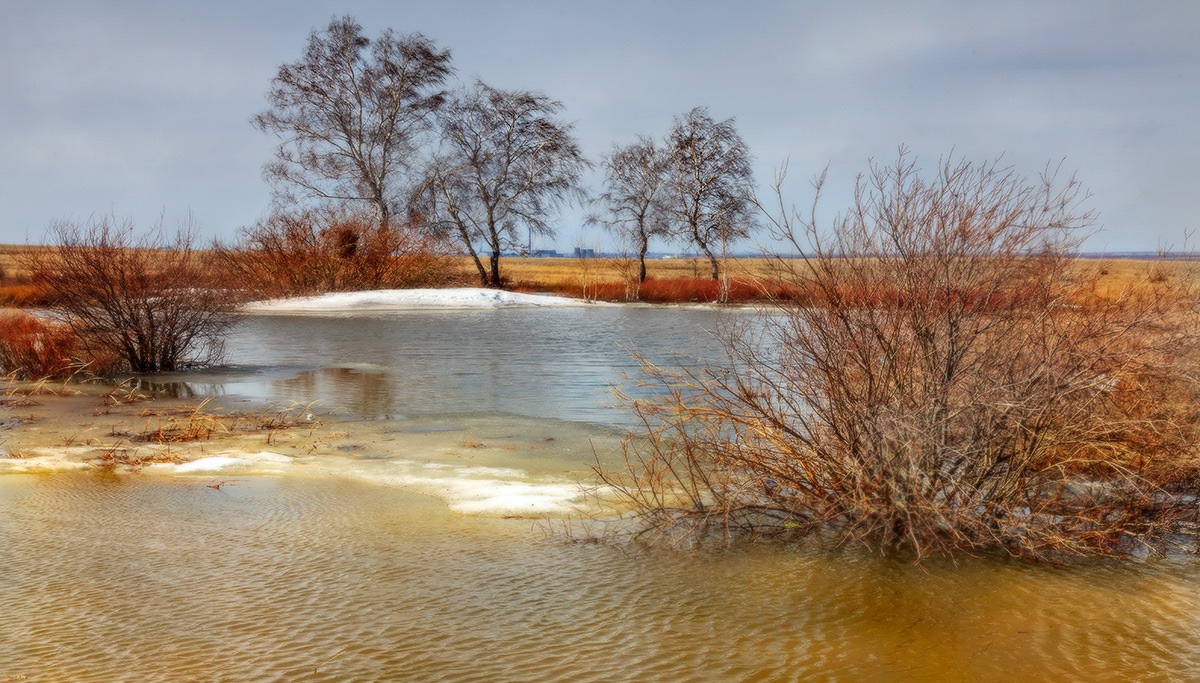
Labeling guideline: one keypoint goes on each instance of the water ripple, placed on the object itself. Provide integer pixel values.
(111, 579)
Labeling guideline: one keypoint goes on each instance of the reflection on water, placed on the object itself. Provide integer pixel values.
(384, 551)
(545, 363)
(363, 393)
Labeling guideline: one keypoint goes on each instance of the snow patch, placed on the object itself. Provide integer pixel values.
(51, 463)
(485, 491)
(263, 462)
(407, 299)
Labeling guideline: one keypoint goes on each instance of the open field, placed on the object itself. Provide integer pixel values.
(563, 274)
(606, 278)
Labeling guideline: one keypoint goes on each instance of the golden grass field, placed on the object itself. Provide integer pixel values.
(570, 276)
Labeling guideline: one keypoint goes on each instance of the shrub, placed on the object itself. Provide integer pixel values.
(33, 348)
(314, 251)
(145, 299)
(687, 290)
(952, 382)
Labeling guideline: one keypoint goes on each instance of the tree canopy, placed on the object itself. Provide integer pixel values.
(635, 198)
(507, 162)
(712, 182)
(350, 114)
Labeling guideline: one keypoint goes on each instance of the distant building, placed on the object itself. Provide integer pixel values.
(584, 253)
(545, 253)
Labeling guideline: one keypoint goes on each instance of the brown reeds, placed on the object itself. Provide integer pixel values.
(198, 423)
(958, 384)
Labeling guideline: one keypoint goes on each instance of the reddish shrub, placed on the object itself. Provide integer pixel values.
(315, 251)
(677, 290)
(672, 290)
(31, 348)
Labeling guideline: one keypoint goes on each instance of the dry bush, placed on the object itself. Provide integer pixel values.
(952, 381)
(33, 348)
(146, 299)
(314, 251)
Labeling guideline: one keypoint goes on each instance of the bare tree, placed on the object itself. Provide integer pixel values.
(351, 113)
(148, 299)
(712, 182)
(635, 196)
(945, 376)
(507, 164)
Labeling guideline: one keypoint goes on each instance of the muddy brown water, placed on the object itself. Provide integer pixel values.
(408, 540)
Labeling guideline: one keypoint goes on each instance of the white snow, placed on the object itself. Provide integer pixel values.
(45, 460)
(265, 462)
(405, 299)
(481, 490)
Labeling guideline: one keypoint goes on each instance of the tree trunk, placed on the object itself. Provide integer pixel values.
(495, 268)
(483, 275)
(494, 243)
(645, 246)
(700, 242)
(384, 215)
(716, 273)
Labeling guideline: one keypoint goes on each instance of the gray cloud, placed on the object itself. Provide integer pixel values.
(143, 107)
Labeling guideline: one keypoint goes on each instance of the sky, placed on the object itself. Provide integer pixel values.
(142, 109)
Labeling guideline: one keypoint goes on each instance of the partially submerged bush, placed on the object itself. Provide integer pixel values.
(315, 251)
(146, 299)
(951, 381)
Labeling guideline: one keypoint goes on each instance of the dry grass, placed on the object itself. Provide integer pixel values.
(195, 423)
(125, 429)
(684, 280)
(166, 430)
(607, 279)
(943, 393)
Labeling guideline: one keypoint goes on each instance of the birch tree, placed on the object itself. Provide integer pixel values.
(507, 164)
(635, 198)
(711, 181)
(351, 114)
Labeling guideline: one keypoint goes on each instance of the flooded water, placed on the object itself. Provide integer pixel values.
(541, 363)
(404, 537)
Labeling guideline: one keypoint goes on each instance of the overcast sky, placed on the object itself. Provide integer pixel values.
(142, 108)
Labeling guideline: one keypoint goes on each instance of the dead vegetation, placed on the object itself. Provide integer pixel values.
(962, 385)
(323, 250)
(127, 428)
(143, 301)
(164, 430)
(668, 281)
(33, 348)
(196, 423)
